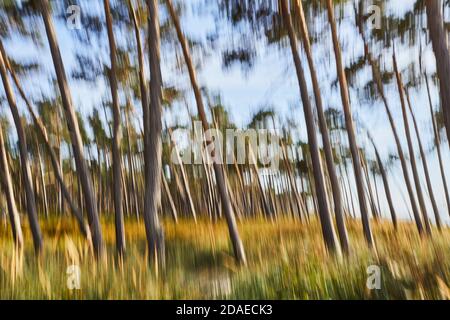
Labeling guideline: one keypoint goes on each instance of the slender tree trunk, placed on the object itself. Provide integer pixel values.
(350, 126)
(117, 136)
(412, 155)
(337, 194)
(60, 163)
(170, 199)
(100, 177)
(438, 146)
(265, 202)
(74, 131)
(142, 81)
(324, 213)
(229, 214)
(387, 189)
(209, 181)
(441, 51)
(377, 79)
(377, 195)
(293, 186)
(369, 186)
(153, 143)
(54, 159)
(184, 177)
(7, 185)
(350, 190)
(425, 165)
(24, 161)
(131, 168)
(42, 178)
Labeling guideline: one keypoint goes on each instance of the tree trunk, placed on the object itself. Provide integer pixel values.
(441, 51)
(387, 189)
(337, 194)
(301, 208)
(54, 159)
(350, 126)
(24, 161)
(412, 155)
(7, 185)
(377, 79)
(370, 196)
(170, 199)
(142, 82)
(324, 213)
(153, 143)
(425, 165)
(131, 168)
(185, 179)
(74, 131)
(117, 136)
(229, 214)
(42, 178)
(438, 146)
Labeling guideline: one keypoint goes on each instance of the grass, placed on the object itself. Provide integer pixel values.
(287, 260)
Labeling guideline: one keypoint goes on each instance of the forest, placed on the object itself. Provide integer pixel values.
(228, 149)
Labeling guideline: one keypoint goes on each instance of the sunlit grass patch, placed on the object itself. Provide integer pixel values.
(286, 260)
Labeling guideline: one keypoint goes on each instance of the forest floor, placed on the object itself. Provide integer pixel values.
(286, 260)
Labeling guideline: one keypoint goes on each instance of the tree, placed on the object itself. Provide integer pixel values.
(412, 156)
(337, 195)
(424, 164)
(117, 136)
(387, 188)
(438, 38)
(24, 161)
(74, 130)
(437, 141)
(153, 144)
(350, 126)
(53, 158)
(324, 213)
(8, 189)
(219, 174)
(377, 78)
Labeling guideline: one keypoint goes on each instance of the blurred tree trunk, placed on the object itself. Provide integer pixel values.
(42, 178)
(24, 161)
(370, 196)
(74, 131)
(142, 82)
(117, 135)
(387, 189)
(229, 214)
(350, 126)
(324, 212)
(379, 84)
(336, 190)
(437, 141)
(424, 165)
(412, 156)
(265, 202)
(184, 178)
(441, 51)
(173, 208)
(8, 189)
(153, 143)
(131, 166)
(301, 208)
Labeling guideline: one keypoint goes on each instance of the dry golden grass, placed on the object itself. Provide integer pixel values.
(287, 260)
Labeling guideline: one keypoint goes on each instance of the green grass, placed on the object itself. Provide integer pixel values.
(286, 260)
